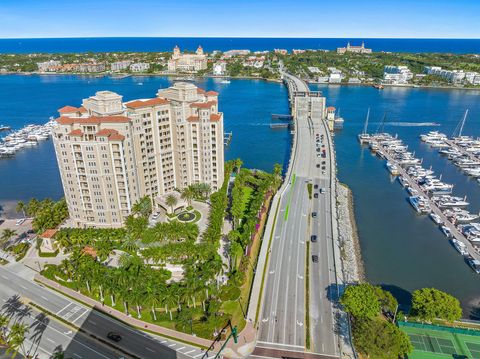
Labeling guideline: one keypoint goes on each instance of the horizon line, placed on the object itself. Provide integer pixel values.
(241, 37)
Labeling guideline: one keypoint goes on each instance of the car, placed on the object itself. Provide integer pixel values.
(315, 186)
(155, 215)
(323, 172)
(313, 238)
(323, 168)
(20, 221)
(318, 149)
(314, 214)
(318, 154)
(322, 190)
(314, 258)
(114, 336)
(318, 165)
(315, 195)
(323, 162)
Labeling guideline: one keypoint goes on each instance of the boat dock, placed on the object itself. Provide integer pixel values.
(402, 163)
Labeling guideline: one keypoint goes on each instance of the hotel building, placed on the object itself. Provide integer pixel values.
(112, 153)
(187, 62)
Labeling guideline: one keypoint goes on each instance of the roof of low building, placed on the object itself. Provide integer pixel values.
(147, 103)
(62, 120)
(211, 93)
(203, 104)
(76, 132)
(330, 108)
(215, 117)
(68, 109)
(90, 251)
(49, 233)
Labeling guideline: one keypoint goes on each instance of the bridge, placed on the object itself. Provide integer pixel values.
(297, 315)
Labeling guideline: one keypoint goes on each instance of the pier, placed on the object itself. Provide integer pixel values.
(455, 233)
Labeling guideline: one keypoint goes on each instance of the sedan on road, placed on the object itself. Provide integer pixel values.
(314, 258)
(315, 195)
(114, 336)
(313, 238)
(314, 214)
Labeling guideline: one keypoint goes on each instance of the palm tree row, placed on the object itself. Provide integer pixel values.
(46, 214)
(13, 337)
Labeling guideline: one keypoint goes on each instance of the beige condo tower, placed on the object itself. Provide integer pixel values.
(112, 153)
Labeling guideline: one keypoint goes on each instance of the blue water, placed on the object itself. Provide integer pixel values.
(402, 250)
(109, 44)
(247, 107)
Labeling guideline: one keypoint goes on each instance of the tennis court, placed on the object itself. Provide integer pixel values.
(432, 341)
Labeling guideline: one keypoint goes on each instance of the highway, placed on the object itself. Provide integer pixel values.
(282, 318)
(80, 343)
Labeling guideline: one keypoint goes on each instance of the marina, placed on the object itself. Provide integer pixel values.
(29, 136)
(429, 195)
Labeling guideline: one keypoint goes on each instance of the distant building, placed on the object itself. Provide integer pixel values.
(253, 61)
(397, 75)
(298, 51)
(336, 76)
(220, 68)
(140, 67)
(120, 65)
(313, 69)
(48, 66)
(454, 76)
(187, 62)
(231, 53)
(280, 51)
(355, 49)
(354, 80)
(90, 67)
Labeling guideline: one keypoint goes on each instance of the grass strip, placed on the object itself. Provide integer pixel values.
(307, 296)
(113, 317)
(310, 190)
(290, 197)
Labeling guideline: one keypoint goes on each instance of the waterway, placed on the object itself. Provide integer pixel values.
(401, 250)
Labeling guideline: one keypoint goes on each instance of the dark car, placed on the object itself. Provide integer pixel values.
(315, 186)
(318, 165)
(323, 162)
(323, 167)
(313, 238)
(314, 214)
(315, 195)
(314, 258)
(318, 149)
(114, 336)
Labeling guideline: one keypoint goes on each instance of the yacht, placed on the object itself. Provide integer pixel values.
(420, 204)
(450, 201)
(459, 246)
(225, 81)
(433, 135)
(436, 218)
(474, 264)
(392, 168)
(403, 181)
(446, 231)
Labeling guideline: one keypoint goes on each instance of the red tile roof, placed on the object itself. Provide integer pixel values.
(208, 104)
(199, 90)
(49, 233)
(192, 118)
(76, 132)
(82, 109)
(90, 251)
(91, 120)
(215, 117)
(330, 108)
(111, 134)
(68, 109)
(148, 103)
(212, 93)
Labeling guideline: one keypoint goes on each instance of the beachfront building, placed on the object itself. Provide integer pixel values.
(48, 66)
(397, 75)
(355, 49)
(187, 62)
(454, 76)
(112, 153)
(140, 67)
(90, 67)
(120, 65)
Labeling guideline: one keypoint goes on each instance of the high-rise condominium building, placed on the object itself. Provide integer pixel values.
(187, 62)
(112, 153)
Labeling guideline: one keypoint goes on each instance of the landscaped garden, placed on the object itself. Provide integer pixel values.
(208, 293)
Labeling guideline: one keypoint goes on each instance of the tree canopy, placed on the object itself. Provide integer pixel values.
(431, 303)
(361, 301)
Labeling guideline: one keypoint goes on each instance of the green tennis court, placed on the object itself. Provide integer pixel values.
(432, 341)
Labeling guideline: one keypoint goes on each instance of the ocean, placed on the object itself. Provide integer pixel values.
(149, 44)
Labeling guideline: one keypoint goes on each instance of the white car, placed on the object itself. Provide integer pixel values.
(20, 221)
(156, 215)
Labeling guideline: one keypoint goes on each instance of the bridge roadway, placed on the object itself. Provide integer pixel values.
(282, 318)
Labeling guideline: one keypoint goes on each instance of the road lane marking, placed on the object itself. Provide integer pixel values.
(163, 341)
(172, 345)
(92, 322)
(191, 351)
(50, 340)
(180, 349)
(65, 307)
(199, 355)
(76, 355)
(43, 298)
(4, 277)
(150, 350)
(81, 315)
(23, 287)
(281, 344)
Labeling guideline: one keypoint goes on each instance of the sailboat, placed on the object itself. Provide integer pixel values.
(364, 137)
(457, 133)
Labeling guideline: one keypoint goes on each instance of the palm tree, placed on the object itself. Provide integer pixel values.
(205, 189)
(21, 207)
(4, 320)
(171, 201)
(16, 338)
(188, 194)
(7, 234)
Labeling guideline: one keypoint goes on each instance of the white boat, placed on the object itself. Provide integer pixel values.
(474, 264)
(436, 218)
(403, 181)
(446, 231)
(420, 204)
(459, 246)
(392, 168)
(225, 81)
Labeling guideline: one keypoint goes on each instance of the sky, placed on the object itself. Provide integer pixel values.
(240, 18)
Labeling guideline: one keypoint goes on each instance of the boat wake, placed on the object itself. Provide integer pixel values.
(410, 124)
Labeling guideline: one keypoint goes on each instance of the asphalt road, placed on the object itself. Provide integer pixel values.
(137, 343)
(283, 313)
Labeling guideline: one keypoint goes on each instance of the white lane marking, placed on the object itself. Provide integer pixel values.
(150, 350)
(172, 345)
(50, 340)
(191, 351)
(76, 355)
(92, 322)
(280, 344)
(65, 307)
(68, 333)
(321, 319)
(4, 277)
(163, 341)
(299, 323)
(271, 272)
(323, 348)
(23, 287)
(179, 349)
(199, 355)
(300, 276)
(81, 315)
(43, 297)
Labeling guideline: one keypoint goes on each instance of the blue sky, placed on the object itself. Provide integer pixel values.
(241, 18)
